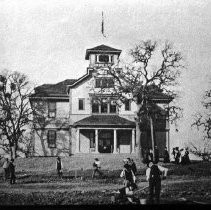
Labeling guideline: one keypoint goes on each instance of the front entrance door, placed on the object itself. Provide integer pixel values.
(105, 141)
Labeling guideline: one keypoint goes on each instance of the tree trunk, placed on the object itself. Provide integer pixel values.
(138, 140)
(11, 152)
(152, 137)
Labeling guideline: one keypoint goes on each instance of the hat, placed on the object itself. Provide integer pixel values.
(125, 160)
(96, 159)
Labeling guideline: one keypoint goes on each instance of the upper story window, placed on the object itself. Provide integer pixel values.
(104, 106)
(113, 108)
(52, 109)
(106, 59)
(81, 104)
(128, 105)
(104, 82)
(103, 58)
(51, 138)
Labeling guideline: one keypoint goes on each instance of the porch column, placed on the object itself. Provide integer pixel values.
(96, 141)
(115, 142)
(167, 141)
(77, 148)
(133, 140)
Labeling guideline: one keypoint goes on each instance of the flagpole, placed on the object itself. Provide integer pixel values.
(102, 29)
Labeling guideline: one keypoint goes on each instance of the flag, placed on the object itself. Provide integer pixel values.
(102, 29)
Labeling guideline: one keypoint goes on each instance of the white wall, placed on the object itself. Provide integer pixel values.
(62, 109)
(81, 91)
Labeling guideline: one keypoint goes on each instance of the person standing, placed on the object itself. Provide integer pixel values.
(166, 158)
(154, 173)
(150, 155)
(6, 169)
(59, 166)
(147, 156)
(97, 167)
(177, 155)
(12, 171)
(133, 166)
(128, 175)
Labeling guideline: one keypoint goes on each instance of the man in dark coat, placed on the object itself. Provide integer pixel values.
(133, 166)
(154, 174)
(166, 158)
(59, 166)
(12, 171)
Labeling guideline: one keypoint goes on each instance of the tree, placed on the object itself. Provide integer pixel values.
(154, 69)
(203, 121)
(15, 110)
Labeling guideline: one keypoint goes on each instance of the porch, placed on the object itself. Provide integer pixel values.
(105, 134)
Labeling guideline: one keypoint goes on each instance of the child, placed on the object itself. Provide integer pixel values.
(128, 175)
(96, 166)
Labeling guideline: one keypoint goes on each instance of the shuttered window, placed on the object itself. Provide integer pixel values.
(51, 138)
(52, 109)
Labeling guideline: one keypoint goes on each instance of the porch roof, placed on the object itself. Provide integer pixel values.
(104, 121)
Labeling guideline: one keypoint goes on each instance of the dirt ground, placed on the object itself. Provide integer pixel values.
(184, 185)
(99, 191)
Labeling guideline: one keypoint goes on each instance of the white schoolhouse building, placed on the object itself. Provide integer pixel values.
(76, 122)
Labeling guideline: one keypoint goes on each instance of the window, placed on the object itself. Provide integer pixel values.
(112, 106)
(104, 58)
(128, 105)
(95, 106)
(81, 104)
(104, 106)
(52, 109)
(51, 138)
(104, 82)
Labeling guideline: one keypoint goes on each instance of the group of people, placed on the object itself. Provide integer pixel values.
(149, 157)
(154, 174)
(9, 170)
(181, 156)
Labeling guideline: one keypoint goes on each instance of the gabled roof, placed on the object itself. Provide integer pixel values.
(102, 49)
(53, 90)
(104, 120)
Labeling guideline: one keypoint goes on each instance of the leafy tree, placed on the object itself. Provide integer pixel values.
(154, 69)
(15, 110)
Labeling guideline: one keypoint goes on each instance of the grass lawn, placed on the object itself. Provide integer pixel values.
(183, 185)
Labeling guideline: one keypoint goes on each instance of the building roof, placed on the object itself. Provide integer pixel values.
(102, 49)
(53, 90)
(104, 120)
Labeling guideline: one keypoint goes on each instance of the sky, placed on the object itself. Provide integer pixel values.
(47, 40)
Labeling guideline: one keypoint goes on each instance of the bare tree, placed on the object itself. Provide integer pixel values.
(154, 69)
(15, 110)
(203, 121)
